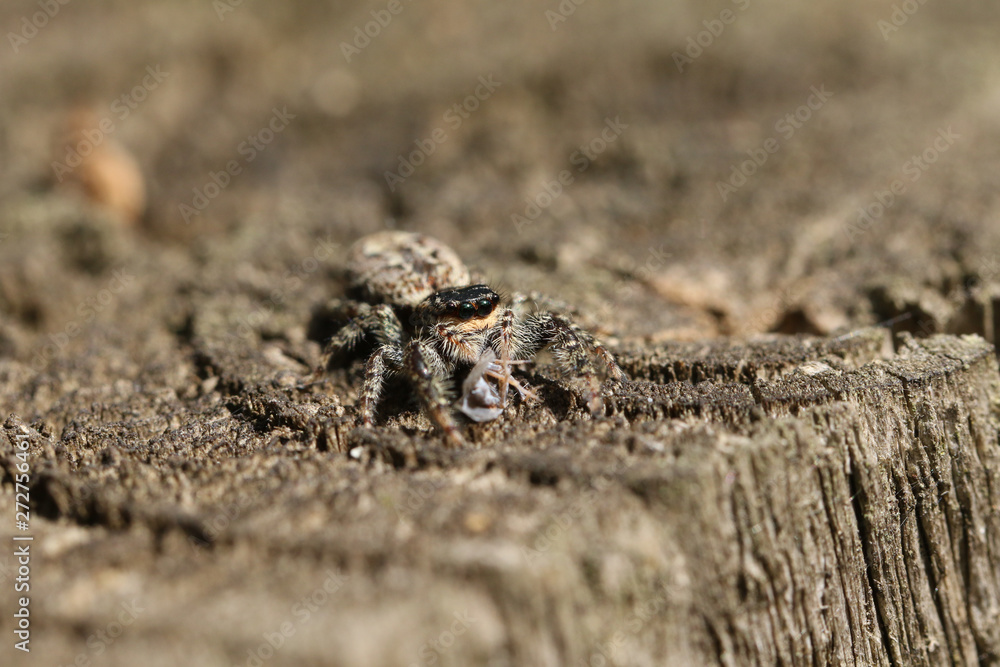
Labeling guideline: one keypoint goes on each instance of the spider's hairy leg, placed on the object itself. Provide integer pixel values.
(385, 362)
(426, 372)
(572, 348)
(615, 371)
(562, 320)
(377, 322)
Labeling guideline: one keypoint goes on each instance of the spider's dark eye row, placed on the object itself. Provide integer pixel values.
(470, 309)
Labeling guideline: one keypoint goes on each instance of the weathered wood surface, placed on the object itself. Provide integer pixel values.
(818, 499)
(805, 502)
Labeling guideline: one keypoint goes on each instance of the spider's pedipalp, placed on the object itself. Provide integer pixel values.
(508, 348)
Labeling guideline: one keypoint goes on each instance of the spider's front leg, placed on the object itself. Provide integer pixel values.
(427, 372)
(572, 348)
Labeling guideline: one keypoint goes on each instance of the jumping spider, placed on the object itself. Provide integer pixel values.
(428, 320)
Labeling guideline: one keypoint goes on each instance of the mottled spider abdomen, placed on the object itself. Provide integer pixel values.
(403, 268)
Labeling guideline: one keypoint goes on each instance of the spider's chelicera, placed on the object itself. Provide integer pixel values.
(427, 323)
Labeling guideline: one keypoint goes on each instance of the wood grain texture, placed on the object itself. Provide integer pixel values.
(775, 512)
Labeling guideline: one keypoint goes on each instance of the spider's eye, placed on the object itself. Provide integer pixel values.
(485, 307)
(466, 310)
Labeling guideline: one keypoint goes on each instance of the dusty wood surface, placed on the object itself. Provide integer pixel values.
(841, 512)
(804, 469)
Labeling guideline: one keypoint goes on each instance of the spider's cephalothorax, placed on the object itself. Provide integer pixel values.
(427, 329)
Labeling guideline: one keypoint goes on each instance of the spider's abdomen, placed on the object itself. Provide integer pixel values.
(403, 268)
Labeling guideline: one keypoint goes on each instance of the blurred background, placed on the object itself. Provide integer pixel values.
(226, 139)
(178, 177)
